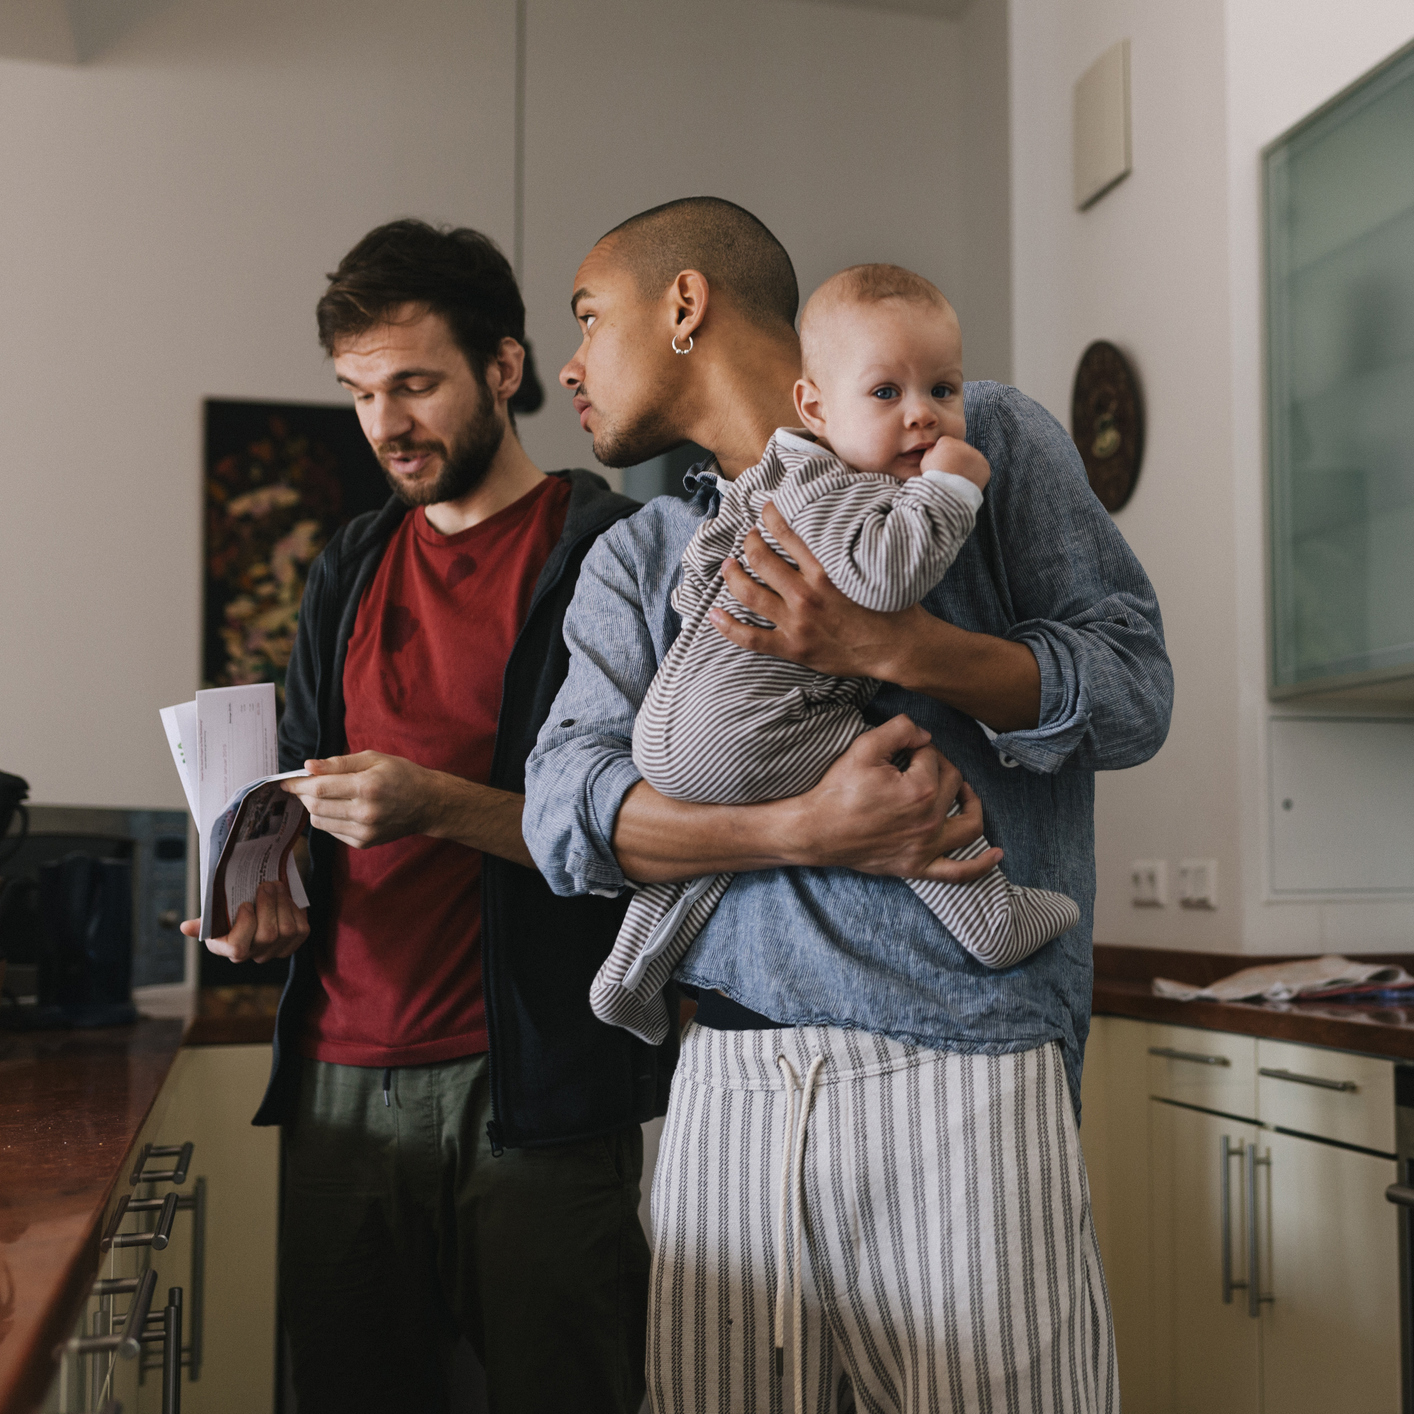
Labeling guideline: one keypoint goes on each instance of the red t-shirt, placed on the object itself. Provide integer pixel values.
(401, 975)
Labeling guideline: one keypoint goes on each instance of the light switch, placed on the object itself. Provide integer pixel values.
(1101, 133)
(1198, 883)
(1149, 883)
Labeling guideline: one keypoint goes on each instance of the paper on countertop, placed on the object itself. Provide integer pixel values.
(1307, 978)
(224, 745)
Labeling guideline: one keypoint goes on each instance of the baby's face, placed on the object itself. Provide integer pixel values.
(884, 382)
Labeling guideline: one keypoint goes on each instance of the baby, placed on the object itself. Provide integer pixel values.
(883, 489)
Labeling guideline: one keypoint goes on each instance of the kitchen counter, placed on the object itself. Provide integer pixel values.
(72, 1104)
(1123, 987)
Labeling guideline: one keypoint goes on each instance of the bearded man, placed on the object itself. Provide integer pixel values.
(463, 1142)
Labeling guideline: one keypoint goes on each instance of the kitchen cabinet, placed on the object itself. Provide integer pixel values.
(219, 1248)
(1206, 1351)
(1114, 1125)
(1340, 275)
(214, 1090)
(1330, 1337)
(1243, 1147)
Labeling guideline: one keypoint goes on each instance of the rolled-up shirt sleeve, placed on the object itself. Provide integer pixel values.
(582, 764)
(1081, 603)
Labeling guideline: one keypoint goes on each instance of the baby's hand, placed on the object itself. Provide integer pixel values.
(958, 458)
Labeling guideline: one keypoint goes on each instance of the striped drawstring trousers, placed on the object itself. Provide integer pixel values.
(940, 1210)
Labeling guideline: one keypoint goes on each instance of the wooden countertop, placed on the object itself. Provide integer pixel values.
(72, 1104)
(1123, 987)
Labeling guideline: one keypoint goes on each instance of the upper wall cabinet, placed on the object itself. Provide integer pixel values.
(1340, 308)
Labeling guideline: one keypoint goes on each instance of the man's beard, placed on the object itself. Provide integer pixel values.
(464, 465)
(648, 435)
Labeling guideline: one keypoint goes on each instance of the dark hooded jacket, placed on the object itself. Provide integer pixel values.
(557, 1073)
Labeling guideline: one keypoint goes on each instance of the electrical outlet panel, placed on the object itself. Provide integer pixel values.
(1148, 883)
(1198, 883)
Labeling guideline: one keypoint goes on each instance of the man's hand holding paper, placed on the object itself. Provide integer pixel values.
(369, 798)
(252, 898)
(270, 927)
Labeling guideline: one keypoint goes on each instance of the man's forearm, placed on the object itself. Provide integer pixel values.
(658, 840)
(479, 817)
(992, 679)
(865, 813)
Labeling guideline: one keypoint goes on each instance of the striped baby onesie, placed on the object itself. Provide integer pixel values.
(720, 725)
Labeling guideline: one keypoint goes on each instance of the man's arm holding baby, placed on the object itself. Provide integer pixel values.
(1082, 678)
(992, 679)
(865, 814)
(592, 823)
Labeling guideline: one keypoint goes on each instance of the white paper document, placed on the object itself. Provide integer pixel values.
(224, 747)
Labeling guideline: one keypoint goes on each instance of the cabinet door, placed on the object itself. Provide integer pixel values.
(1206, 1351)
(1330, 1336)
(212, 1093)
(1114, 1129)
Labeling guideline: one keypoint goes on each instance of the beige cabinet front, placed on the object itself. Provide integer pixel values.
(213, 1092)
(1206, 1349)
(1187, 1134)
(1330, 1337)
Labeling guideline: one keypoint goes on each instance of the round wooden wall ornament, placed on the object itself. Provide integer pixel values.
(1107, 422)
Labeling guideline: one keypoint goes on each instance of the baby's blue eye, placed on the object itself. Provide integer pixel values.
(943, 390)
(885, 394)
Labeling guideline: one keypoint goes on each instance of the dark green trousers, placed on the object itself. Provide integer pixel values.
(401, 1231)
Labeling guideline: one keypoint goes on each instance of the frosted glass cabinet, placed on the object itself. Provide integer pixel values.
(1340, 308)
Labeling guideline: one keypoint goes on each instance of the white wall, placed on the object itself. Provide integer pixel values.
(1167, 266)
(840, 128)
(169, 212)
(170, 209)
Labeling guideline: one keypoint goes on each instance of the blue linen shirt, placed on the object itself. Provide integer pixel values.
(1046, 567)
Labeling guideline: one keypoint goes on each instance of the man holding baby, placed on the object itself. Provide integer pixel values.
(870, 1179)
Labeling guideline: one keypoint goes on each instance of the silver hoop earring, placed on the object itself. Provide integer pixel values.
(687, 350)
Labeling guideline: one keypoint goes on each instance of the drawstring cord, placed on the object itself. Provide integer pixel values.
(387, 1084)
(793, 1183)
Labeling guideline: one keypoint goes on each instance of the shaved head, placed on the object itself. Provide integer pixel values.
(861, 285)
(740, 258)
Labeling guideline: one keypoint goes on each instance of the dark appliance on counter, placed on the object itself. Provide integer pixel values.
(90, 903)
(14, 790)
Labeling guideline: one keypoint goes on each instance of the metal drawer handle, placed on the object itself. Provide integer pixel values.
(176, 1174)
(166, 1332)
(194, 1203)
(1197, 1057)
(1400, 1193)
(128, 1341)
(1227, 1154)
(1254, 1271)
(1346, 1085)
(161, 1235)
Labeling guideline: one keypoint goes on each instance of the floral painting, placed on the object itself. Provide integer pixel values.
(280, 479)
